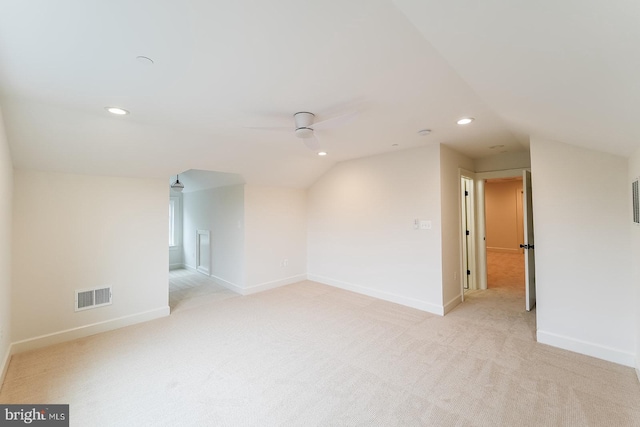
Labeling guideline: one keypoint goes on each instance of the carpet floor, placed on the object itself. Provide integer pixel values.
(309, 354)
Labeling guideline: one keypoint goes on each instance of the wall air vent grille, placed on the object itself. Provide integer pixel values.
(92, 298)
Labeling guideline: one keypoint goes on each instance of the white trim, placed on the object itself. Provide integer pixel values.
(177, 266)
(231, 286)
(452, 304)
(386, 296)
(5, 364)
(587, 348)
(86, 330)
(273, 284)
(199, 267)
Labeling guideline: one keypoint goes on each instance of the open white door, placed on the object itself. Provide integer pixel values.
(528, 246)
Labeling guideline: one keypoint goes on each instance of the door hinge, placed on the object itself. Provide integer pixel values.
(467, 232)
(468, 272)
(466, 193)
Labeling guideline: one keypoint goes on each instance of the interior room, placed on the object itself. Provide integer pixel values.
(252, 212)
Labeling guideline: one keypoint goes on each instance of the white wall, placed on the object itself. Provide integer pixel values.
(585, 298)
(450, 164)
(6, 195)
(634, 173)
(73, 232)
(275, 231)
(221, 211)
(503, 161)
(361, 232)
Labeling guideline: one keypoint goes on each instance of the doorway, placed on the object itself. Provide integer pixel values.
(522, 214)
(504, 233)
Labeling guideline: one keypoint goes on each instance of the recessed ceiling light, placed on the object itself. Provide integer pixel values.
(465, 120)
(424, 132)
(322, 153)
(117, 111)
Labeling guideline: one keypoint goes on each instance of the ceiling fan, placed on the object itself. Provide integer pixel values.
(305, 128)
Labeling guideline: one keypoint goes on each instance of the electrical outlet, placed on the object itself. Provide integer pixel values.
(455, 275)
(285, 262)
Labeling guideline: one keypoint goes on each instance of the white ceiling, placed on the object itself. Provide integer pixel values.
(563, 70)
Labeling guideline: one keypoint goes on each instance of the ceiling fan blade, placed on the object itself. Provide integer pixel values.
(312, 143)
(337, 121)
(270, 128)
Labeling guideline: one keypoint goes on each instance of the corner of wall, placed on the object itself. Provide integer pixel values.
(4, 365)
(6, 239)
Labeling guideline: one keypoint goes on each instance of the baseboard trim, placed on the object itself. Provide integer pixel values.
(87, 330)
(452, 304)
(386, 296)
(175, 266)
(231, 286)
(274, 284)
(587, 348)
(5, 364)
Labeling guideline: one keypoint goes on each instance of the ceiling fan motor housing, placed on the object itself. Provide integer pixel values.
(304, 120)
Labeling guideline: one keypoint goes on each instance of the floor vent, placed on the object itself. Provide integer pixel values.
(92, 298)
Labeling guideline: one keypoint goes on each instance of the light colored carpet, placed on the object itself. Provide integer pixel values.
(188, 289)
(308, 354)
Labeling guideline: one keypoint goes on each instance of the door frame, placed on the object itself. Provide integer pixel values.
(481, 218)
(467, 216)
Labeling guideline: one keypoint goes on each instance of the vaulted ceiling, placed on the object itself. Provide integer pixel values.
(561, 70)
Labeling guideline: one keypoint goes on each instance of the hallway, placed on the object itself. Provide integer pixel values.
(505, 270)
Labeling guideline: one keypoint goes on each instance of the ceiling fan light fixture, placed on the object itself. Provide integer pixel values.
(177, 186)
(117, 111)
(304, 132)
(465, 120)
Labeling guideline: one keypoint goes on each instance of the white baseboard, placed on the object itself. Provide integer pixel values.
(386, 296)
(452, 304)
(5, 364)
(86, 330)
(231, 286)
(176, 266)
(587, 348)
(274, 284)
